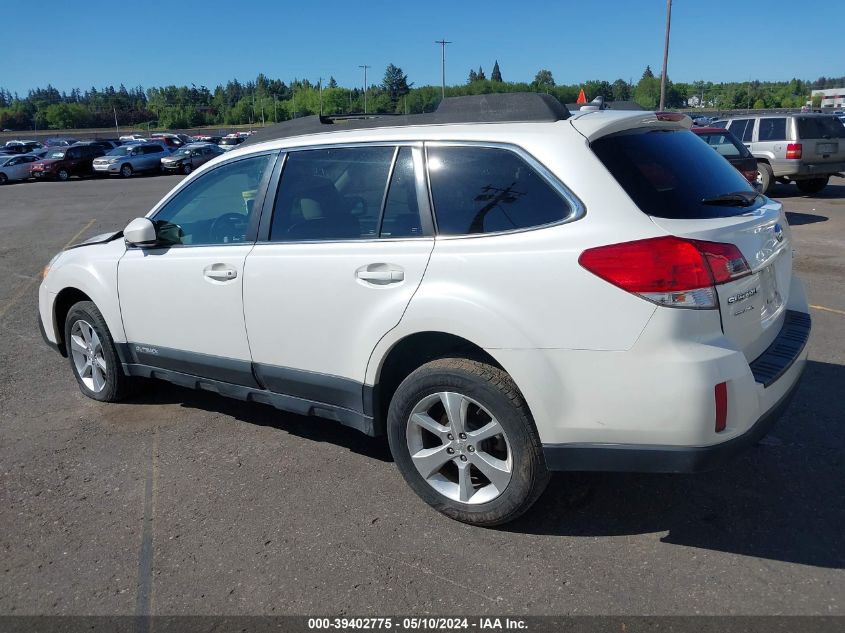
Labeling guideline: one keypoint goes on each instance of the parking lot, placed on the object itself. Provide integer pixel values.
(182, 502)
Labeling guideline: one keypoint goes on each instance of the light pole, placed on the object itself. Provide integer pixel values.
(320, 86)
(442, 43)
(364, 66)
(665, 55)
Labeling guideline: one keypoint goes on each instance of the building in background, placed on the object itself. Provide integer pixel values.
(832, 98)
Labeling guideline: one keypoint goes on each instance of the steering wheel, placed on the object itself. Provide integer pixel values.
(227, 226)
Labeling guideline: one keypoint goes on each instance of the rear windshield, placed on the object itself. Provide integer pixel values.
(725, 144)
(820, 127)
(668, 173)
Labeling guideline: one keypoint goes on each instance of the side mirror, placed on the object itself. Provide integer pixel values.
(140, 232)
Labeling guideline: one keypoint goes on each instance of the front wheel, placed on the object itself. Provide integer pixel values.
(464, 440)
(92, 354)
(813, 185)
(62, 174)
(126, 171)
(187, 168)
(3, 179)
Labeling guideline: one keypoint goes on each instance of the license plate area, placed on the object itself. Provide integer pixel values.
(770, 297)
(827, 148)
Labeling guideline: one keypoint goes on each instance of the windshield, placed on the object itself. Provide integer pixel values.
(55, 154)
(669, 173)
(184, 152)
(230, 141)
(820, 127)
(123, 150)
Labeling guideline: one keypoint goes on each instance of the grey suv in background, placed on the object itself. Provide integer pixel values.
(130, 159)
(802, 148)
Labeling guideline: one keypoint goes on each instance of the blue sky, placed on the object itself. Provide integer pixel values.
(208, 42)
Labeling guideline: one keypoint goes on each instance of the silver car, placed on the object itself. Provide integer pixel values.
(802, 148)
(130, 159)
(15, 167)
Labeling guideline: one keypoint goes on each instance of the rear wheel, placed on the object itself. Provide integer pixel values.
(464, 440)
(92, 354)
(765, 177)
(813, 185)
(126, 171)
(3, 179)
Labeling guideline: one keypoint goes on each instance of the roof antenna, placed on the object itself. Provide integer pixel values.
(596, 104)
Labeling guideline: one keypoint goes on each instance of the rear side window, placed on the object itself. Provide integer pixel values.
(401, 216)
(331, 194)
(726, 145)
(742, 129)
(153, 149)
(820, 127)
(772, 130)
(668, 173)
(487, 190)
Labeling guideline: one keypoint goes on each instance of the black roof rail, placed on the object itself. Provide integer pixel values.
(512, 107)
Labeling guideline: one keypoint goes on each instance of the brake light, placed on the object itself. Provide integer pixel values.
(670, 116)
(721, 393)
(669, 271)
(793, 150)
(750, 176)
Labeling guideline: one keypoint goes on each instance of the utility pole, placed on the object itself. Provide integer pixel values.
(116, 128)
(275, 116)
(442, 43)
(320, 86)
(364, 66)
(665, 55)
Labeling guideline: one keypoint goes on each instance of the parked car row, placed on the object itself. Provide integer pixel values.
(61, 159)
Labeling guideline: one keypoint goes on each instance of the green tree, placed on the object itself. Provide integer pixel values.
(621, 90)
(481, 75)
(647, 92)
(647, 74)
(473, 76)
(543, 80)
(496, 75)
(332, 83)
(395, 84)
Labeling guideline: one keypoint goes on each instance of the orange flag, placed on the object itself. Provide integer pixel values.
(582, 98)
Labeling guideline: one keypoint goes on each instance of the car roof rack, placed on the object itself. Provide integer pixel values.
(513, 107)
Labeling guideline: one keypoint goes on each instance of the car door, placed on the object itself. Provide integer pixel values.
(335, 267)
(181, 299)
(17, 168)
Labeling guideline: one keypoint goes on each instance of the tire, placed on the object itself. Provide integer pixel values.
(3, 179)
(765, 177)
(187, 168)
(813, 185)
(63, 174)
(491, 398)
(126, 171)
(87, 337)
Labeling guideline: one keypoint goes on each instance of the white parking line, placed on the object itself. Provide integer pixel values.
(824, 309)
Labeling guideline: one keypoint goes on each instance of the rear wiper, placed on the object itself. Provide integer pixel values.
(733, 199)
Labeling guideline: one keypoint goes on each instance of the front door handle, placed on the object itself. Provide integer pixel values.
(220, 272)
(380, 274)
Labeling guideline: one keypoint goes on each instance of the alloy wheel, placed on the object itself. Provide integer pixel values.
(88, 358)
(459, 448)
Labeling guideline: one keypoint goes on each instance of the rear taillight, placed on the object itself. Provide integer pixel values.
(670, 271)
(750, 176)
(793, 150)
(721, 393)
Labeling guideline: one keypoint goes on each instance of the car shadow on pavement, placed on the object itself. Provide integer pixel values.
(310, 428)
(782, 500)
(797, 219)
(834, 189)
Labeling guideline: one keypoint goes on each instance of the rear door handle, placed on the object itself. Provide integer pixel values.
(380, 274)
(220, 272)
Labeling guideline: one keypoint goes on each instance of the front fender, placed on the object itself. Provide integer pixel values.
(91, 270)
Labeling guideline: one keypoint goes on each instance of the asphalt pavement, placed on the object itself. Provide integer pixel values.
(182, 502)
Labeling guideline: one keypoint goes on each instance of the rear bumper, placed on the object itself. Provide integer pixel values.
(662, 459)
(777, 369)
(800, 169)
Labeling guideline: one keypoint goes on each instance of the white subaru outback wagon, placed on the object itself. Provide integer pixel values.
(502, 287)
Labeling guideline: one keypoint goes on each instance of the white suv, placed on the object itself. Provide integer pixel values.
(502, 288)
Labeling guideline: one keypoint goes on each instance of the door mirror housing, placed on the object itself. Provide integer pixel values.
(140, 232)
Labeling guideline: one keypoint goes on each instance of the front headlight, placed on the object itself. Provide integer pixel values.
(49, 265)
(113, 160)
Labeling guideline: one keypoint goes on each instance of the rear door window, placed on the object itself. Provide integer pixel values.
(820, 127)
(401, 217)
(742, 128)
(331, 194)
(488, 190)
(726, 145)
(668, 173)
(772, 129)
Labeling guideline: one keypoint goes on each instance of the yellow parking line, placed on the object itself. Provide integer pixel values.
(25, 288)
(842, 312)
